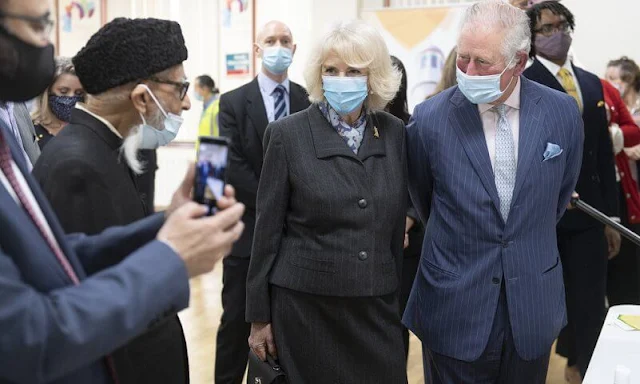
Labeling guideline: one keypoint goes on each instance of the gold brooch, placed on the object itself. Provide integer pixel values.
(600, 103)
(375, 133)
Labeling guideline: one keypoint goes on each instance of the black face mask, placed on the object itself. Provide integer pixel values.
(25, 70)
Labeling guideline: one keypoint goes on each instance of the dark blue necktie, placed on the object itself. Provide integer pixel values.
(280, 107)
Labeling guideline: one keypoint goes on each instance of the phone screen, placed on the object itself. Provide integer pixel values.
(211, 166)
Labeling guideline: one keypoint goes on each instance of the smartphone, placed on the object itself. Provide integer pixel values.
(211, 166)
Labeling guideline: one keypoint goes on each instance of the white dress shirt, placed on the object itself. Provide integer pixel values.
(490, 117)
(81, 107)
(555, 68)
(267, 86)
(28, 194)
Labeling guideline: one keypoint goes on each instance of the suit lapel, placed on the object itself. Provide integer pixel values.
(372, 145)
(326, 141)
(7, 202)
(529, 136)
(465, 120)
(255, 109)
(540, 74)
(588, 90)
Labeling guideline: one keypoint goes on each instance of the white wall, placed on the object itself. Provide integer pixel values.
(307, 20)
(604, 31)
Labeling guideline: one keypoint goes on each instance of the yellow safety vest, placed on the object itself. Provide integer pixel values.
(209, 120)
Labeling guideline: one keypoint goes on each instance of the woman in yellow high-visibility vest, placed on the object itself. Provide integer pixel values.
(206, 91)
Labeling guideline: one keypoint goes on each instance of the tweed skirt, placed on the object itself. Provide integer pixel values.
(338, 340)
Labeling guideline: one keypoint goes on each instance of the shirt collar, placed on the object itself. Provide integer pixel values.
(82, 107)
(267, 85)
(555, 68)
(206, 105)
(513, 101)
(8, 105)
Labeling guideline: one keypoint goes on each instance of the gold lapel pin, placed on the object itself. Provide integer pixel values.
(376, 134)
(600, 103)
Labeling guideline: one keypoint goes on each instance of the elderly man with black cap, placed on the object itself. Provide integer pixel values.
(133, 74)
(67, 302)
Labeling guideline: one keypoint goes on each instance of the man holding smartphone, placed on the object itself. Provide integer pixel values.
(244, 115)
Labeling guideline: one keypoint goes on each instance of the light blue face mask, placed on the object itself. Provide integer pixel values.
(481, 89)
(277, 59)
(152, 137)
(345, 94)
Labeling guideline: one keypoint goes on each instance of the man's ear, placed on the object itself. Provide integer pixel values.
(139, 98)
(521, 63)
(293, 51)
(257, 50)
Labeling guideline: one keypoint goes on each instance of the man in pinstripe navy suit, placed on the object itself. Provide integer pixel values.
(492, 165)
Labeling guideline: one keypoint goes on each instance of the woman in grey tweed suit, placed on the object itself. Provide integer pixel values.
(322, 289)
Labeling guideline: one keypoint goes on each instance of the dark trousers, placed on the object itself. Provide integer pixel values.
(584, 260)
(498, 364)
(623, 273)
(232, 348)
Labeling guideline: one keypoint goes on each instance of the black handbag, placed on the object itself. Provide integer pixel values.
(265, 372)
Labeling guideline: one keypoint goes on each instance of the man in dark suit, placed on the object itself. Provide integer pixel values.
(244, 115)
(82, 172)
(492, 166)
(68, 301)
(583, 242)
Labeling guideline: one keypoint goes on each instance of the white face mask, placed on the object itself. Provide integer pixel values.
(153, 137)
(481, 89)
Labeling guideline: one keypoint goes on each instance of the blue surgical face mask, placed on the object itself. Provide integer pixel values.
(61, 106)
(481, 89)
(198, 96)
(277, 59)
(152, 137)
(345, 94)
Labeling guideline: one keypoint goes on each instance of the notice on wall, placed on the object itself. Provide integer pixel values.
(77, 21)
(236, 42)
(238, 64)
(421, 39)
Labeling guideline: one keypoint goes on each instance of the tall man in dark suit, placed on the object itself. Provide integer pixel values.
(583, 242)
(244, 115)
(89, 173)
(492, 165)
(68, 301)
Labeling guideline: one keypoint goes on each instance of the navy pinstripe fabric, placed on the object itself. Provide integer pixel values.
(468, 249)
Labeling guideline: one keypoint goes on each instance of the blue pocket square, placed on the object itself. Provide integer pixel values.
(552, 151)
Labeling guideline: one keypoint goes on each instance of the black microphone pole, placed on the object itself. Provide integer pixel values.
(604, 219)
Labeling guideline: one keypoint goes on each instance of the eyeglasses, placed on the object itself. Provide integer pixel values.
(42, 25)
(183, 86)
(549, 29)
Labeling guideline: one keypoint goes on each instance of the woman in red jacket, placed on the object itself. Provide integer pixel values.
(623, 282)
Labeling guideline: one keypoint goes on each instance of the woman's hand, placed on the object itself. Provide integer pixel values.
(261, 341)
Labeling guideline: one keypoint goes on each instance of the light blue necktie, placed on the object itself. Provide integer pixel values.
(280, 106)
(505, 162)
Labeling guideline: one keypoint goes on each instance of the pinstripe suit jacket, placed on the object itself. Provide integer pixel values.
(469, 251)
(328, 222)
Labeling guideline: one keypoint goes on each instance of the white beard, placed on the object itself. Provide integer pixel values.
(130, 148)
(133, 141)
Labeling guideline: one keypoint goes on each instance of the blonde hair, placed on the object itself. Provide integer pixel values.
(360, 46)
(41, 113)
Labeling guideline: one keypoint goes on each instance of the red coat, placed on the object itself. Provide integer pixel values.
(621, 116)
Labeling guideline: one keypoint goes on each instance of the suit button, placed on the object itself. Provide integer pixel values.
(505, 244)
(362, 203)
(363, 255)
(495, 280)
(590, 153)
(595, 178)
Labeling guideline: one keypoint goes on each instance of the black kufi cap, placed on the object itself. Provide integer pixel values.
(126, 50)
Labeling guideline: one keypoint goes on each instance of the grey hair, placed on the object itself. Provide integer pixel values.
(497, 14)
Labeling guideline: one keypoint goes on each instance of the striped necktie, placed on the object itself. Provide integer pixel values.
(280, 106)
(569, 85)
